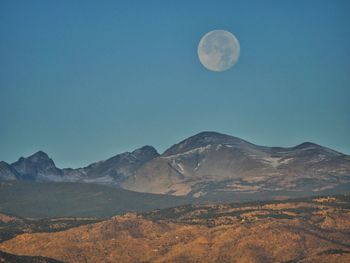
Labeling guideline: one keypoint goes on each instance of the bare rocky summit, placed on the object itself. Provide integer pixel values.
(207, 163)
(212, 162)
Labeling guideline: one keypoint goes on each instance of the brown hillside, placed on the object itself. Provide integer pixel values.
(308, 231)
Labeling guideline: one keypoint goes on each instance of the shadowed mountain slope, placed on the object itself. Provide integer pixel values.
(204, 164)
(213, 162)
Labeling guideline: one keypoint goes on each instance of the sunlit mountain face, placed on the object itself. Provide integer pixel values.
(205, 165)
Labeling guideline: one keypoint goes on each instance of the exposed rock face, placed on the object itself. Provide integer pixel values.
(204, 139)
(211, 161)
(116, 169)
(37, 167)
(7, 172)
(270, 232)
(208, 162)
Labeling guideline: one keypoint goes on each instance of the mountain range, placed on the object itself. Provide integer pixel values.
(204, 164)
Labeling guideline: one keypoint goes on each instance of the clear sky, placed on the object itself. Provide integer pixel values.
(84, 80)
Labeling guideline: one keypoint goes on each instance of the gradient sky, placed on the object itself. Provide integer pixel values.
(84, 80)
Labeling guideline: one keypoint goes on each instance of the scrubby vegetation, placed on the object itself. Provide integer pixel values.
(305, 230)
(18, 226)
(10, 258)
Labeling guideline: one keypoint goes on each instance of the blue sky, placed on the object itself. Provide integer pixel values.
(84, 80)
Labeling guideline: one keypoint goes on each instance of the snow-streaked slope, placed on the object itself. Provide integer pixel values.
(203, 164)
(212, 161)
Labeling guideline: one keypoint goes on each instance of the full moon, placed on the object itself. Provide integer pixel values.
(218, 50)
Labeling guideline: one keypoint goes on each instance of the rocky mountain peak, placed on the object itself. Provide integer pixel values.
(204, 139)
(116, 168)
(145, 152)
(203, 164)
(307, 145)
(3, 164)
(313, 147)
(38, 164)
(7, 172)
(39, 156)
